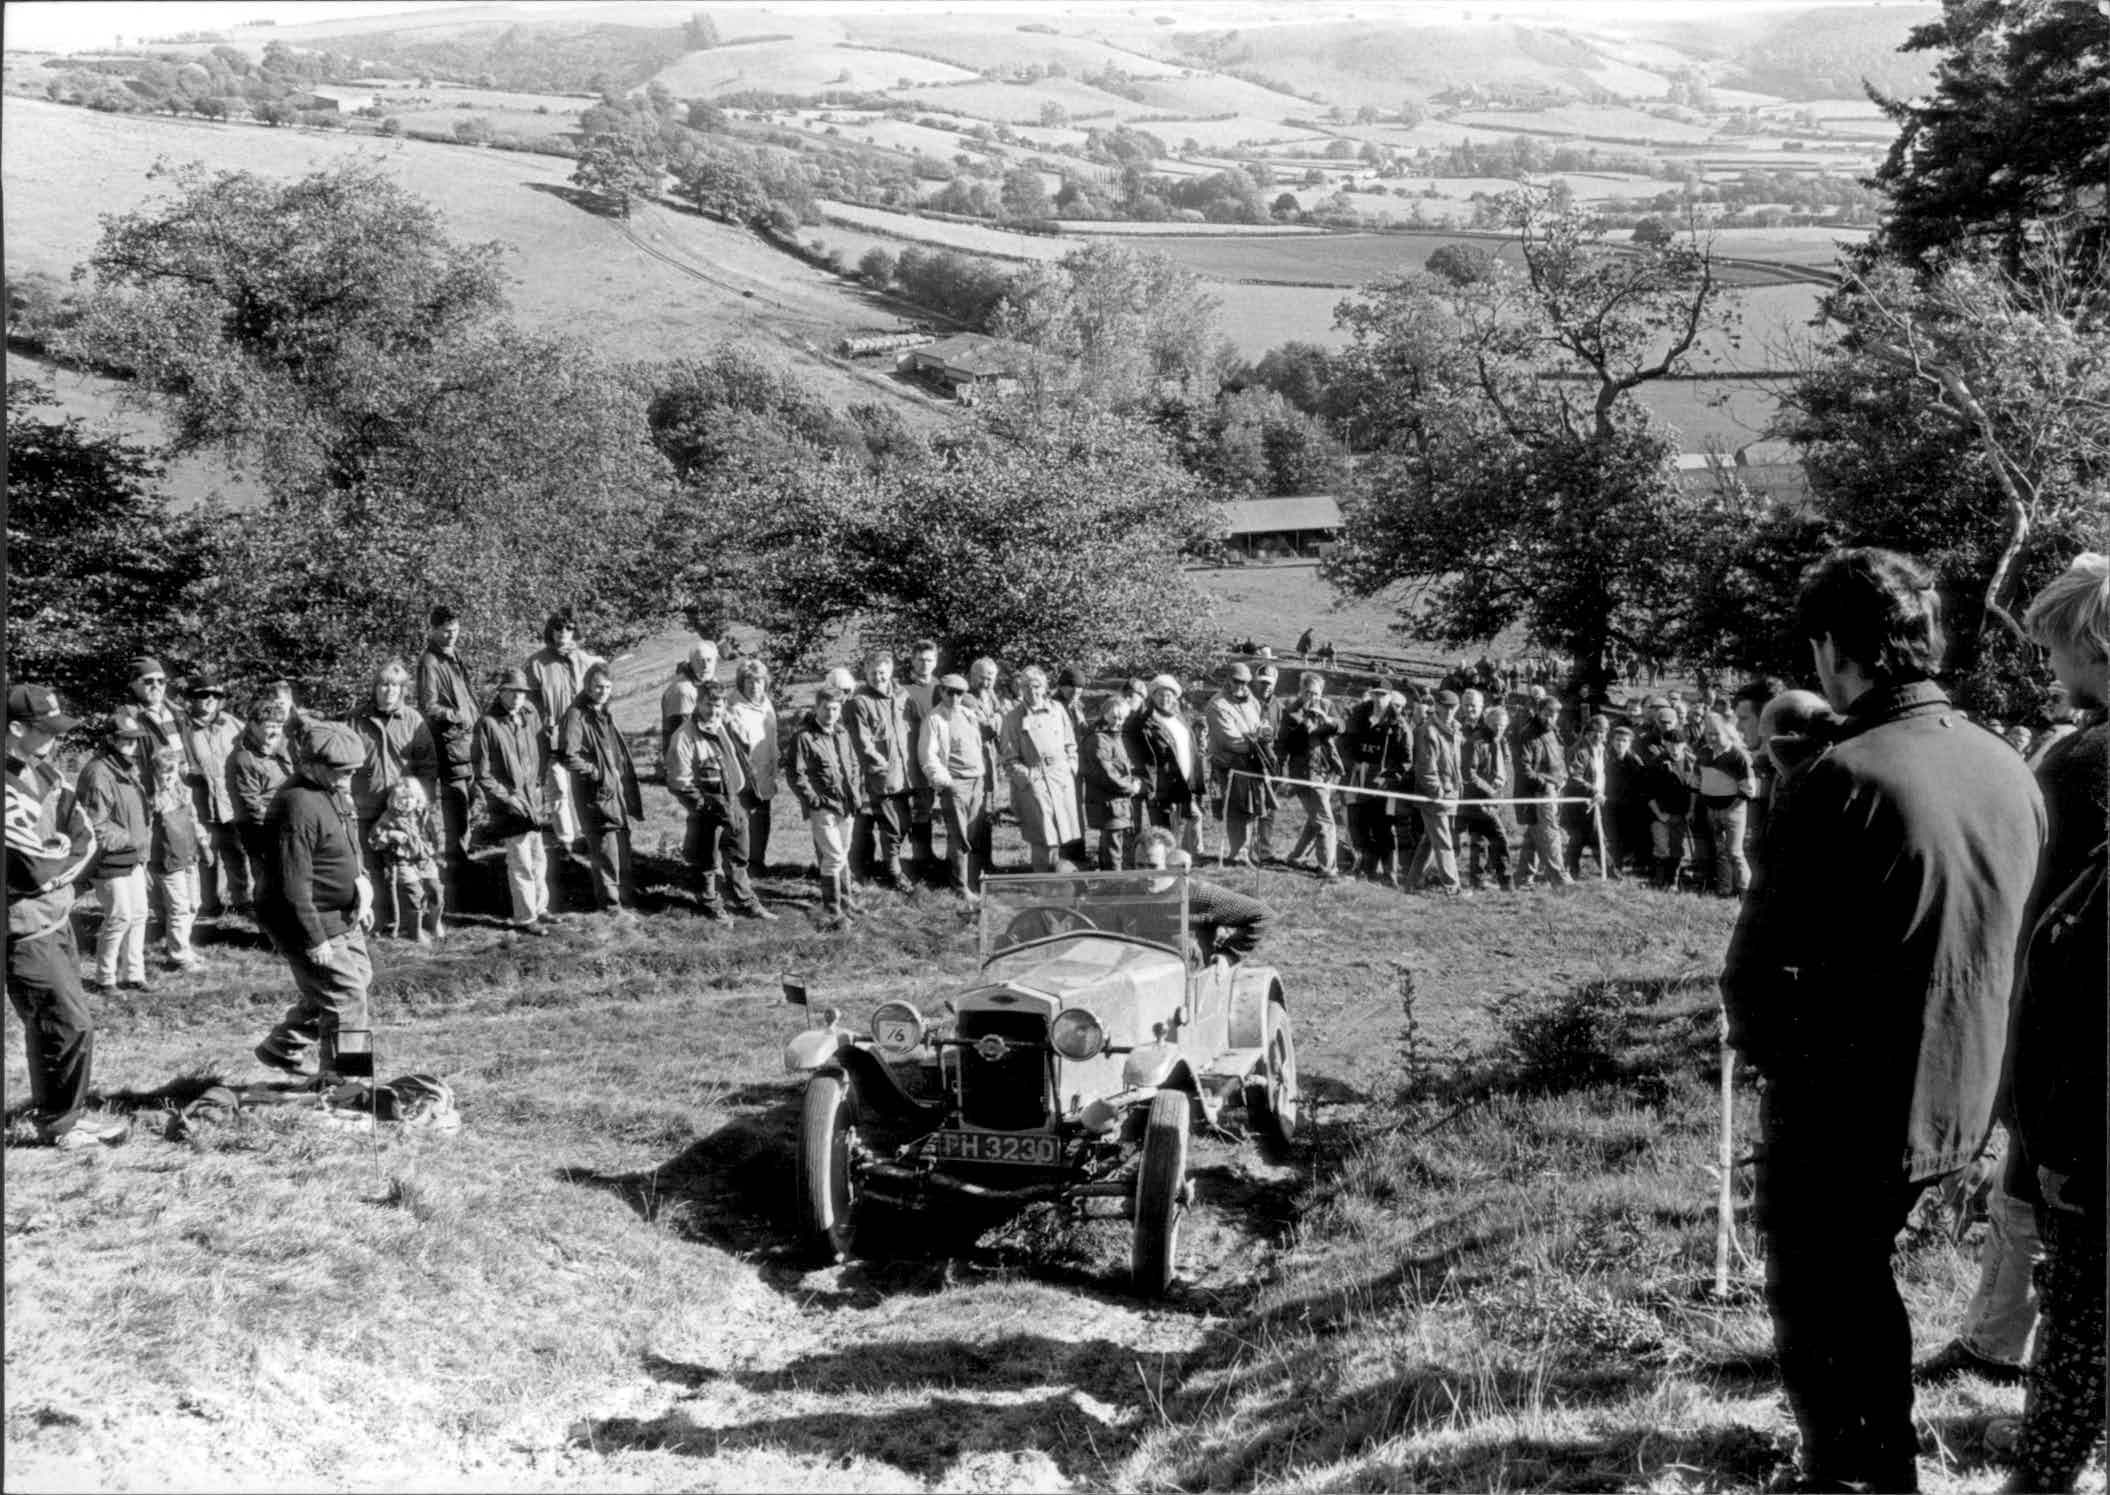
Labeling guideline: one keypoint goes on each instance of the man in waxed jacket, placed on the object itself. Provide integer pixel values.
(1868, 982)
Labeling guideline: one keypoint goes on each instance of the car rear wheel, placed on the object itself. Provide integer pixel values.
(1272, 1101)
(827, 1142)
(1161, 1180)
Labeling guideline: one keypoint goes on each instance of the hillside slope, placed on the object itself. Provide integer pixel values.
(670, 284)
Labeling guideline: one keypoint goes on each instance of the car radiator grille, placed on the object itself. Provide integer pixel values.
(1010, 1094)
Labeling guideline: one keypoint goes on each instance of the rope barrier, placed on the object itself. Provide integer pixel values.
(1420, 799)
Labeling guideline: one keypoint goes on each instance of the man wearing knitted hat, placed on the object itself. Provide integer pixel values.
(317, 904)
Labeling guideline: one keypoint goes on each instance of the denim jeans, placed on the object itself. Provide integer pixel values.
(1732, 872)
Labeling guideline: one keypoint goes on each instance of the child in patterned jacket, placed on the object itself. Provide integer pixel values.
(406, 837)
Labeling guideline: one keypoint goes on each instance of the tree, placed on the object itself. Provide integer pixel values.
(1115, 322)
(877, 267)
(2014, 132)
(97, 561)
(1460, 264)
(1511, 479)
(1043, 540)
(1302, 373)
(1652, 231)
(1965, 417)
(723, 187)
(1285, 205)
(1025, 195)
(329, 337)
(619, 169)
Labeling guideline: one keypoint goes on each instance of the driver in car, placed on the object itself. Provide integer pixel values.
(1225, 923)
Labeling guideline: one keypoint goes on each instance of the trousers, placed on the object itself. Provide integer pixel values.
(44, 986)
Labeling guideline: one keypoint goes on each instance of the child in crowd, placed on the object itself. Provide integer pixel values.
(406, 839)
(173, 858)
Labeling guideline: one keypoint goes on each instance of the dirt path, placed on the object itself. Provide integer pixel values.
(1012, 1357)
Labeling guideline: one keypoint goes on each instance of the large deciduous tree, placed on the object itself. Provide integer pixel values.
(1510, 479)
(620, 170)
(1118, 326)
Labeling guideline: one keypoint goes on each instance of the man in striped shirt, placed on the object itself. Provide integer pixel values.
(48, 846)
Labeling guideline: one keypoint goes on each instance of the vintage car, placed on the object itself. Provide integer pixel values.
(1070, 1071)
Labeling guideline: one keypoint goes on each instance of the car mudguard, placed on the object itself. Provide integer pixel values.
(1252, 988)
(879, 1089)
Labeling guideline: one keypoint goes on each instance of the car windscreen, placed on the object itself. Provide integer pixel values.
(1150, 907)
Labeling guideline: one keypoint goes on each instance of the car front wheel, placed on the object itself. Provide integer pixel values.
(1161, 1180)
(827, 1142)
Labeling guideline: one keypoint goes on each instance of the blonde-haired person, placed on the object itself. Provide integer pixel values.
(2056, 1082)
(751, 719)
(399, 746)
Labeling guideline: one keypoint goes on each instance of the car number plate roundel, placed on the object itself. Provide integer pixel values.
(991, 1147)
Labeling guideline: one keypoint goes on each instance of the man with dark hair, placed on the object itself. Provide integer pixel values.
(919, 688)
(708, 776)
(1868, 981)
(448, 704)
(49, 842)
(877, 719)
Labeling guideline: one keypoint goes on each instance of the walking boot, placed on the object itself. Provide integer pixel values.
(707, 904)
(832, 916)
(846, 890)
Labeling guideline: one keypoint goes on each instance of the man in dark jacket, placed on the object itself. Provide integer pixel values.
(448, 703)
(707, 775)
(1868, 982)
(510, 758)
(317, 905)
(827, 779)
(594, 752)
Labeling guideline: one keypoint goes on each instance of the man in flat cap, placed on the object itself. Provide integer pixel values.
(49, 842)
(317, 905)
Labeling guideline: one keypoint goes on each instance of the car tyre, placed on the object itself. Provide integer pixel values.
(1161, 1179)
(1273, 1102)
(826, 1188)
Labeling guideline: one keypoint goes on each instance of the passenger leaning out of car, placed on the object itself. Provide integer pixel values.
(1226, 924)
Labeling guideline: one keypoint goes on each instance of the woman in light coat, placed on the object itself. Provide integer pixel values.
(751, 719)
(1038, 750)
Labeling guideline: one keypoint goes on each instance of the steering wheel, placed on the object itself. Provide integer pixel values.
(1042, 923)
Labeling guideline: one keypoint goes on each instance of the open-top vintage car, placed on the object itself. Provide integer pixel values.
(1071, 1069)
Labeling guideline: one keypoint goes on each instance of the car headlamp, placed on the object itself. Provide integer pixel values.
(897, 1029)
(1076, 1034)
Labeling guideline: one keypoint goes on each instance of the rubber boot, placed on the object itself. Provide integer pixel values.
(923, 853)
(832, 916)
(708, 905)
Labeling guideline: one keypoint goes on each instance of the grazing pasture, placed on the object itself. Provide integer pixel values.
(662, 286)
(799, 67)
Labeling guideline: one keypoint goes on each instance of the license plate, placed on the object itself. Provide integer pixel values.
(1033, 1148)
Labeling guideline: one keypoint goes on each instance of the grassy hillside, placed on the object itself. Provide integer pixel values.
(665, 286)
(1486, 1267)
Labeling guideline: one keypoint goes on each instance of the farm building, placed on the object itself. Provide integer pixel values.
(1768, 468)
(967, 364)
(1282, 528)
(340, 100)
(871, 344)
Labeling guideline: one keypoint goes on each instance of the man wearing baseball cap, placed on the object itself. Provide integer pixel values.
(317, 905)
(49, 843)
